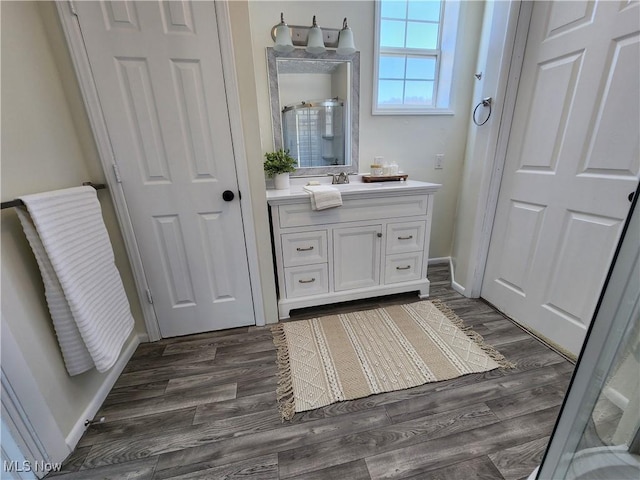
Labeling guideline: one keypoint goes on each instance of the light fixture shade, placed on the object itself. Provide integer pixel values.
(283, 37)
(346, 46)
(315, 44)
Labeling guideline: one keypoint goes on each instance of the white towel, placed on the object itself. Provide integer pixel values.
(323, 196)
(74, 253)
(74, 352)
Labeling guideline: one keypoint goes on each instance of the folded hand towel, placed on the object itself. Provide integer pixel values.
(75, 241)
(323, 196)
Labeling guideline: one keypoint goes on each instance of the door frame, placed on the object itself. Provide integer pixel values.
(80, 58)
(493, 154)
(503, 133)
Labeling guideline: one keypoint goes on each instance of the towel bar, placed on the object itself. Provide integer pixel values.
(17, 202)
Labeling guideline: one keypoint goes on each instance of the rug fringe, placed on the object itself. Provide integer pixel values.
(284, 392)
(494, 354)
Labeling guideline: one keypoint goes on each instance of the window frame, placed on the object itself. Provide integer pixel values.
(443, 54)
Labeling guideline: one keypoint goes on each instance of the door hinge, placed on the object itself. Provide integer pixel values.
(116, 172)
(72, 8)
(149, 297)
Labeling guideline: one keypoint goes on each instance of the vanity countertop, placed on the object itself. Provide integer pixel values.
(356, 187)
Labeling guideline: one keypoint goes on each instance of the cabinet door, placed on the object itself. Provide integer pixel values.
(356, 257)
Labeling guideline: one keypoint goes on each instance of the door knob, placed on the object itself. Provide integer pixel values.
(228, 195)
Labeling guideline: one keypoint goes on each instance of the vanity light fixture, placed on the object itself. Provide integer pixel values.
(345, 43)
(315, 39)
(315, 44)
(283, 37)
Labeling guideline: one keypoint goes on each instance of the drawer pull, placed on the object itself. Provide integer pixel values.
(404, 268)
(307, 281)
(304, 249)
(406, 238)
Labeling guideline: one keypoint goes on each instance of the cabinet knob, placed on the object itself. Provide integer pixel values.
(379, 235)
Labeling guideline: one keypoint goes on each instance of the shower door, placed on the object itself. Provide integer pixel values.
(313, 132)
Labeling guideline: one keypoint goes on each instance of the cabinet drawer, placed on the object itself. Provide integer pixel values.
(304, 248)
(405, 237)
(306, 280)
(353, 210)
(403, 267)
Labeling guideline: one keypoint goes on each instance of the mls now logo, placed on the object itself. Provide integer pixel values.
(13, 466)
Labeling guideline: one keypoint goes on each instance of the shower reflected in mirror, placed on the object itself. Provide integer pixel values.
(313, 132)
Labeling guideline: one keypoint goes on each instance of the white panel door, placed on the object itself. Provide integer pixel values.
(573, 158)
(158, 72)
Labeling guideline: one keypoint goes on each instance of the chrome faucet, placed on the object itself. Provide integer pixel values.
(339, 178)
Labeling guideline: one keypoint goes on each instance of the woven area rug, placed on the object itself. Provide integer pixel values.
(354, 355)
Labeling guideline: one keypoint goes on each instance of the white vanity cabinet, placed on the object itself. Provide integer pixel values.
(376, 243)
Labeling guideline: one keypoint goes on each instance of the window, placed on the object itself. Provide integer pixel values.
(413, 63)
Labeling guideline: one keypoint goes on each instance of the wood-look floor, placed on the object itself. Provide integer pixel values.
(204, 407)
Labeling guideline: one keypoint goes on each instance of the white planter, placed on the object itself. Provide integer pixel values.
(281, 181)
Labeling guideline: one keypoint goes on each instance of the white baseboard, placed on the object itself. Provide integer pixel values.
(439, 260)
(143, 337)
(448, 260)
(127, 352)
(455, 285)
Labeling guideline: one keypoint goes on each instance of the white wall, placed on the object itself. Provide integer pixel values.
(412, 141)
(297, 87)
(46, 145)
(340, 82)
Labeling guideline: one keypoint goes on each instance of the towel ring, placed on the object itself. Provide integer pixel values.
(486, 102)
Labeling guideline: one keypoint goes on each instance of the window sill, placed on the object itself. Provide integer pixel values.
(429, 111)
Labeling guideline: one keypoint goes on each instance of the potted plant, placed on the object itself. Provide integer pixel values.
(278, 165)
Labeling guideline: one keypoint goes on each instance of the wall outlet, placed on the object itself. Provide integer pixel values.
(439, 160)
